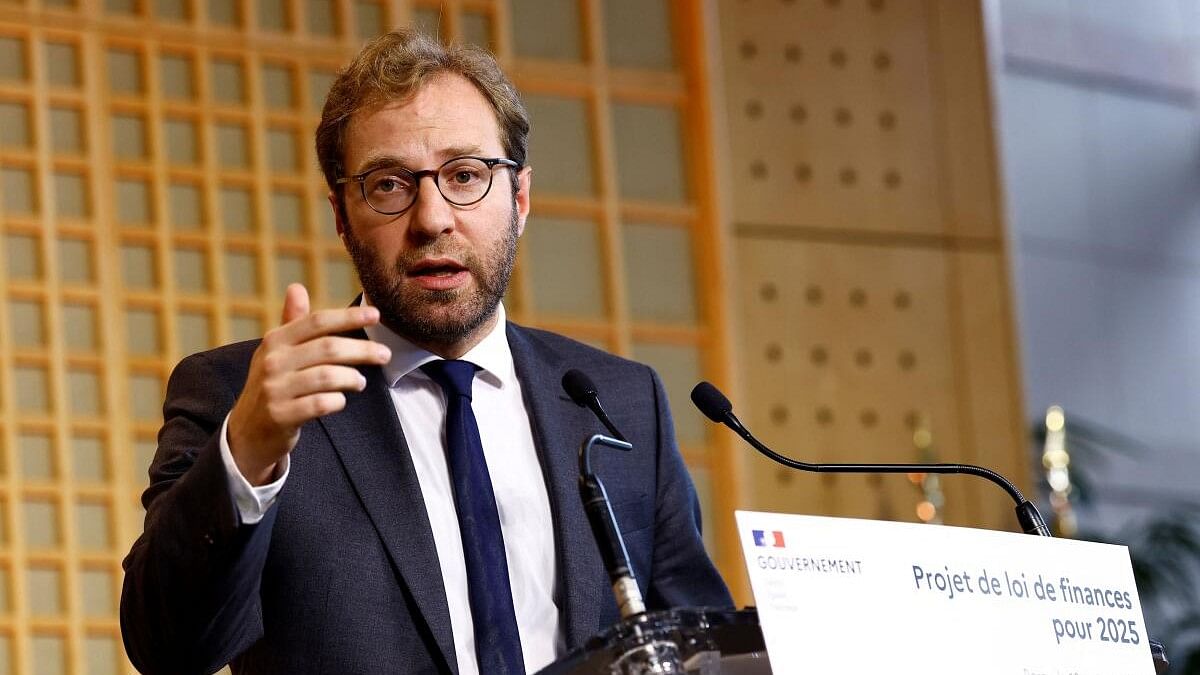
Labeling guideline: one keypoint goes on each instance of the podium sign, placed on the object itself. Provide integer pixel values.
(860, 596)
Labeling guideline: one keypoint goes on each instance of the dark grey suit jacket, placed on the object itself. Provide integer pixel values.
(342, 576)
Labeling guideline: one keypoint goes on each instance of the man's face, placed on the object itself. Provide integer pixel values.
(437, 271)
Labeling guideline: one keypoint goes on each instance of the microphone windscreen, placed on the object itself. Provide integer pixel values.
(711, 402)
(579, 387)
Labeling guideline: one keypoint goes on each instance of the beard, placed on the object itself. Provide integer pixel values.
(429, 316)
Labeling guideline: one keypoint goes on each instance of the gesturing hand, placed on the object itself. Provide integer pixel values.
(297, 374)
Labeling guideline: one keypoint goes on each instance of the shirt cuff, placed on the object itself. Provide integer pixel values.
(252, 502)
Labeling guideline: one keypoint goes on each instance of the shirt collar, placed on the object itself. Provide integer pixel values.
(492, 354)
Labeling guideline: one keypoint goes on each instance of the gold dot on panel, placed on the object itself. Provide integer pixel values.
(774, 352)
(748, 49)
(768, 292)
(818, 355)
(869, 418)
(887, 120)
(813, 295)
(848, 176)
(912, 419)
(798, 113)
(907, 360)
(779, 414)
(758, 169)
(838, 57)
(891, 179)
(792, 53)
(843, 117)
(784, 475)
(882, 60)
(858, 298)
(754, 109)
(863, 358)
(824, 416)
(833, 4)
(802, 172)
(877, 5)
(902, 300)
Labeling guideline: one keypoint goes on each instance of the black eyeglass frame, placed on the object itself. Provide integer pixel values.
(490, 162)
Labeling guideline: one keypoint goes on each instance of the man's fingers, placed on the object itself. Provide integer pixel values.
(297, 411)
(338, 351)
(323, 322)
(295, 303)
(323, 378)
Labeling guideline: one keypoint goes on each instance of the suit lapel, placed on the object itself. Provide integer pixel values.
(371, 446)
(558, 429)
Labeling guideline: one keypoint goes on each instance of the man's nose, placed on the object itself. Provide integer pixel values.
(431, 215)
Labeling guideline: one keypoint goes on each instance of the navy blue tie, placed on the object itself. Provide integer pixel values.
(497, 641)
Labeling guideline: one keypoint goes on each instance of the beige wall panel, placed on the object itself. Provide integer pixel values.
(874, 290)
(832, 115)
(990, 402)
(969, 161)
(846, 348)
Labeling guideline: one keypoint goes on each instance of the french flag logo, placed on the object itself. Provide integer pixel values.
(772, 538)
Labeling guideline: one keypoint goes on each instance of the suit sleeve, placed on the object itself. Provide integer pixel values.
(682, 574)
(190, 601)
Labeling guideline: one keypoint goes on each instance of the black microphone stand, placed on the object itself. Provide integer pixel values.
(650, 654)
(717, 408)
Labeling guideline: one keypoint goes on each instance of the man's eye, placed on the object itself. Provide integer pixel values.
(465, 176)
(389, 184)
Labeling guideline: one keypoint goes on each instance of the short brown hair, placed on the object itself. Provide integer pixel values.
(393, 67)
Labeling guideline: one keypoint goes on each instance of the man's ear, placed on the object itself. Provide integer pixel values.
(339, 215)
(524, 183)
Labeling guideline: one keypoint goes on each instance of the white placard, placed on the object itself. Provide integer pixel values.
(838, 595)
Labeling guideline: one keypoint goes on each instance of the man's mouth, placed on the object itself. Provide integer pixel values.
(440, 267)
(439, 274)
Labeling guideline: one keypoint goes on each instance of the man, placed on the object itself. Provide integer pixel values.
(391, 487)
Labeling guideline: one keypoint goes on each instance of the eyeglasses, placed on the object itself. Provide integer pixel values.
(463, 181)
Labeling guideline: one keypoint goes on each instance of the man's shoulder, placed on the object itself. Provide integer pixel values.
(543, 357)
(571, 351)
(231, 360)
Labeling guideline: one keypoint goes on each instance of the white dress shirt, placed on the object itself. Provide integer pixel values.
(517, 480)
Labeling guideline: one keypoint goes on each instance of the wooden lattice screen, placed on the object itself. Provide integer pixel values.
(158, 190)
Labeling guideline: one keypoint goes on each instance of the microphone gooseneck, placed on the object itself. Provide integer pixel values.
(604, 528)
(583, 392)
(717, 408)
(599, 511)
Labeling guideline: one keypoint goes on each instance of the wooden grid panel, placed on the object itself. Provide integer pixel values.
(158, 193)
(629, 158)
(158, 189)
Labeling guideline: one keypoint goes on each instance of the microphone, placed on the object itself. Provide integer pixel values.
(717, 408)
(582, 391)
(604, 528)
